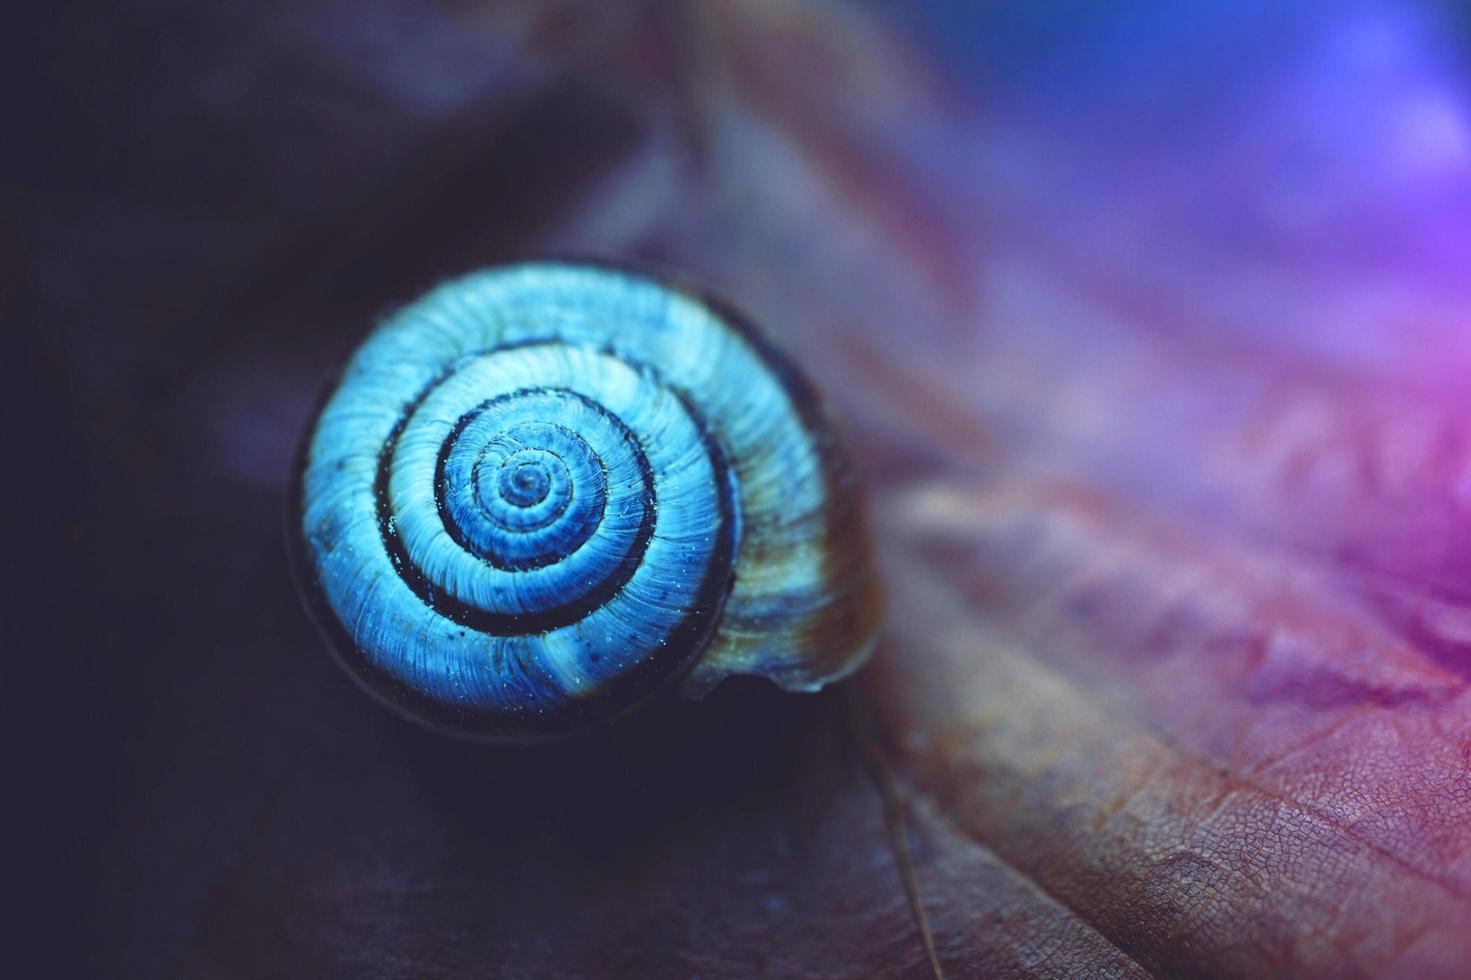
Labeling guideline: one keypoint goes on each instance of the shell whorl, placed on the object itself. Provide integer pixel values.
(543, 493)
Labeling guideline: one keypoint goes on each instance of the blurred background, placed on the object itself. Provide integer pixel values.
(1210, 261)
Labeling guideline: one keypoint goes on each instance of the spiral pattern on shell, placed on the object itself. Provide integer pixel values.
(541, 494)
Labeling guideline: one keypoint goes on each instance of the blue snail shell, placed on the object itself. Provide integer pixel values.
(542, 494)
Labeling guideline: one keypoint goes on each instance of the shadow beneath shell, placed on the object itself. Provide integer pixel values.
(672, 762)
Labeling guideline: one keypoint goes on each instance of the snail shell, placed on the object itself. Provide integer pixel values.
(542, 494)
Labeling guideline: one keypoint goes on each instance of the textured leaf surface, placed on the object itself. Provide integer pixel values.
(1156, 366)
